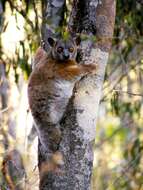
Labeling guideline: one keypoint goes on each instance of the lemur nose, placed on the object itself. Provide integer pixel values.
(66, 56)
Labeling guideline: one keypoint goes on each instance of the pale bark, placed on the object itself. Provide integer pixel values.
(91, 18)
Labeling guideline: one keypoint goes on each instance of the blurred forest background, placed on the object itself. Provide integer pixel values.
(118, 163)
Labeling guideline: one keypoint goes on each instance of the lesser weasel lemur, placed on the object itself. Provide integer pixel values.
(51, 86)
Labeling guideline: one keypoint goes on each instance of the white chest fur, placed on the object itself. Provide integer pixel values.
(64, 87)
(63, 90)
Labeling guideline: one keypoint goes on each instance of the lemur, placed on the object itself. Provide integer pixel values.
(51, 85)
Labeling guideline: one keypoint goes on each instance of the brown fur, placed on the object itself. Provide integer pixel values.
(48, 68)
(49, 89)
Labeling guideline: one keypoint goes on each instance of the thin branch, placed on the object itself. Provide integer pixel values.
(4, 110)
(119, 79)
(126, 169)
(100, 144)
(127, 92)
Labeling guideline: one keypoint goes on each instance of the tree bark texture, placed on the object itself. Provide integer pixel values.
(1, 15)
(90, 18)
(53, 18)
(3, 81)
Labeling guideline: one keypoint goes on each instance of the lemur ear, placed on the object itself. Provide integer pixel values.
(51, 41)
(77, 40)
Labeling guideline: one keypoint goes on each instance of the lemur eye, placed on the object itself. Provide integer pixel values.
(71, 49)
(59, 49)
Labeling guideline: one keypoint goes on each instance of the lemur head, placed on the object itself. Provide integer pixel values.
(64, 50)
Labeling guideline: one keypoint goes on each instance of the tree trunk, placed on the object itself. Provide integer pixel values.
(1, 16)
(3, 81)
(89, 18)
(53, 18)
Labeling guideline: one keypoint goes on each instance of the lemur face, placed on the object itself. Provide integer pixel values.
(63, 50)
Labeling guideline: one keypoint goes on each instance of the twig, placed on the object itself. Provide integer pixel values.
(125, 170)
(127, 92)
(4, 110)
(98, 145)
(120, 79)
